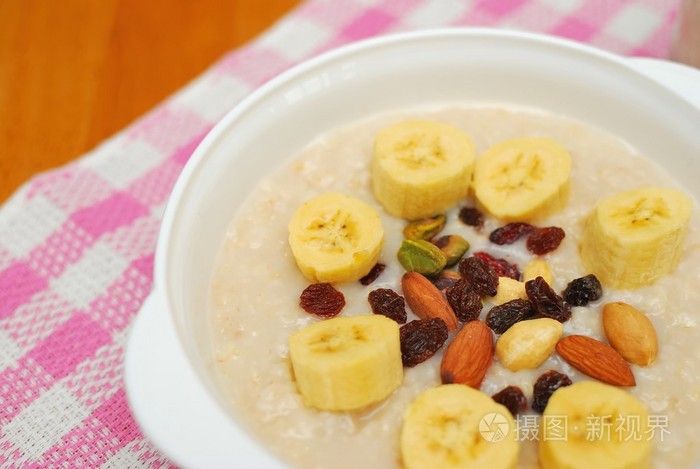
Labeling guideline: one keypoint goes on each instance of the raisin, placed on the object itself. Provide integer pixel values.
(373, 274)
(581, 291)
(545, 386)
(465, 302)
(544, 240)
(421, 339)
(502, 267)
(322, 300)
(471, 217)
(512, 398)
(501, 317)
(545, 301)
(387, 302)
(480, 275)
(510, 233)
(446, 279)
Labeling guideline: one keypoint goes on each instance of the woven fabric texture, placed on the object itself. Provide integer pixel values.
(77, 243)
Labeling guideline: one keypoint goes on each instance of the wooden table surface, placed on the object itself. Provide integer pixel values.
(73, 72)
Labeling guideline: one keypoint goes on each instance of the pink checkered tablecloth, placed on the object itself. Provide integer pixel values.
(77, 243)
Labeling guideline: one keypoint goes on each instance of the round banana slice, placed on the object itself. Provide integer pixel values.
(591, 424)
(455, 426)
(523, 179)
(335, 238)
(347, 363)
(633, 238)
(421, 168)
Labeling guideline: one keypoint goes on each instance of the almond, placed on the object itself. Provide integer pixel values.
(631, 333)
(469, 356)
(596, 359)
(527, 344)
(426, 301)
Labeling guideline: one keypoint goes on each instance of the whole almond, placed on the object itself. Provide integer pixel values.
(426, 301)
(527, 344)
(631, 333)
(469, 356)
(596, 359)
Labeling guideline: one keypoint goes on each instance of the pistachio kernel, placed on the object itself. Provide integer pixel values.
(453, 246)
(421, 256)
(425, 228)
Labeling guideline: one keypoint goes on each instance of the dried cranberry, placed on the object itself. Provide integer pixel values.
(581, 291)
(446, 279)
(502, 267)
(512, 398)
(501, 317)
(545, 386)
(544, 240)
(321, 299)
(510, 233)
(421, 339)
(480, 275)
(471, 217)
(373, 274)
(545, 301)
(465, 302)
(387, 302)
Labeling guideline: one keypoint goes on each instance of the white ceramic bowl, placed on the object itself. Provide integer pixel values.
(168, 361)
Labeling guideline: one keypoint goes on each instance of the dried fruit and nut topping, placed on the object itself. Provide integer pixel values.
(545, 301)
(545, 386)
(465, 302)
(502, 267)
(426, 301)
(544, 240)
(471, 216)
(500, 318)
(510, 233)
(373, 274)
(512, 398)
(631, 333)
(387, 302)
(446, 279)
(321, 299)
(421, 256)
(596, 359)
(480, 275)
(509, 289)
(469, 356)
(421, 339)
(583, 290)
(453, 247)
(528, 344)
(425, 228)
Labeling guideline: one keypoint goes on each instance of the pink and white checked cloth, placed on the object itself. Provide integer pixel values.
(77, 243)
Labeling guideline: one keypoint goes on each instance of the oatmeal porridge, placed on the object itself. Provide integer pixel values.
(256, 286)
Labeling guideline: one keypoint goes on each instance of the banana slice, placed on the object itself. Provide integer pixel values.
(633, 238)
(335, 238)
(455, 426)
(347, 363)
(421, 168)
(604, 427)
(522, 179)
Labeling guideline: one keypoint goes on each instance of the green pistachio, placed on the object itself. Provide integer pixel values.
(421, 256)
(453, 246)
(425, 228)
(446, 279)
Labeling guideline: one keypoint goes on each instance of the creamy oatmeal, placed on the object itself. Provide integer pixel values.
(256, 285)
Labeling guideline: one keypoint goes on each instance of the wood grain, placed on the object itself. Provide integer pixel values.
(73, 72)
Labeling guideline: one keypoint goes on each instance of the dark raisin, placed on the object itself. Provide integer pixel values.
(512, 398)
(502, 267)
(545, 301)
(501, 317)
(544, 240)
(480, 275)
(581, 291)
(373, 274)
(421, 339)
(465, 302)
(545, 386)
(322, 300)
(471, 217)
(510, 233)
(387, 302)
(446, 279)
